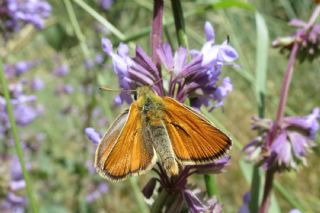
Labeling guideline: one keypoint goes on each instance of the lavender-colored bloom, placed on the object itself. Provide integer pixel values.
(97, 193)
(289, 147)
(93, 135)
(16, 70)
(91, 63)
(64, 89)
(106, 4)
(25, 108)
(193, 202)
(211, 168)
(179, 188)
(245, 206)
(37, 84)
(27, 11)
(62, 70)
(196, 206)
(308, 38)
(12, 201)
(197, 79)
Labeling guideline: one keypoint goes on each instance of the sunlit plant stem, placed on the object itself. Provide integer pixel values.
(17, 143)
(282, 104)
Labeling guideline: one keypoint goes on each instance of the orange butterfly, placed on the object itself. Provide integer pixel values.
(157, 128)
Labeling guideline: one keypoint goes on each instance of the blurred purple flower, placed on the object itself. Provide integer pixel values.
(61, 70)
(97, 193)
(106, 4)
(16, 70)
(91, 63)
(197, 79)
(27, 11)
(64, 89)
(25, 108)
(92, 135)
(37, 84)
(295, 136)
(245, 206)
(12, 201)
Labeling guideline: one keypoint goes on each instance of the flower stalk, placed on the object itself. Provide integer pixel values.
(282, 104)
(17, 143)
(179, 23)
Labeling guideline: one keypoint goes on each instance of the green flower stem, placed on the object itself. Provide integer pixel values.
(179, 23)
(210, 181)
(32, 202)
(137, 194)
(159, 202)
(91, 76)
(76, 27)
(100, 19)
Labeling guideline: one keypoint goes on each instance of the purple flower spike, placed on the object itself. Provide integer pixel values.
(27, 11)
(290, 146)
(197, 79)
(93, 135)
(308, 38)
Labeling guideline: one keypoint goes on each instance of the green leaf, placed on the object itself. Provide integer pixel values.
(274, 206)
(261, 61)
(232, 3)
(262, 43)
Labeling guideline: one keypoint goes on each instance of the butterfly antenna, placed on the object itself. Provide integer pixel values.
(116, 90)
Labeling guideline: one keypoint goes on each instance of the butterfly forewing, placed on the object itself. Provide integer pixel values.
(126, 148)
(194, 139)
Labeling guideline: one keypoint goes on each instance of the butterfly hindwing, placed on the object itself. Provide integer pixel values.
(125, 149)
(194, 139)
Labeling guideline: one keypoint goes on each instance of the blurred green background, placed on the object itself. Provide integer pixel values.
(61, 176)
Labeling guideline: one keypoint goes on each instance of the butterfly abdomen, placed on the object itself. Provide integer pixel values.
(162, 145)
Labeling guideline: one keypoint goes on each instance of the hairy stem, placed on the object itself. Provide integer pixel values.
(267, 192)
(282, 104)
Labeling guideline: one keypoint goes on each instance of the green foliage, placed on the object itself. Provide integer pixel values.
(61, 178)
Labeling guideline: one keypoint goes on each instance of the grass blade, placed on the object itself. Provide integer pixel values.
(17, 143)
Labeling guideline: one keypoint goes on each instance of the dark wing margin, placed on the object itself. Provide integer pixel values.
(125, 149)
(194, 139)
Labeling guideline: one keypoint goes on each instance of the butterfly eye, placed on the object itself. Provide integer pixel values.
(135, 95)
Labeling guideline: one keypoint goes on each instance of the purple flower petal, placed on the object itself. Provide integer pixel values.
(165, 55)
(194, 204)
(180, 60)
(227, 53)
(209, 31)
(92, 135)
(106, 4)
(282, 148)
(299, 143)
(297, 23)
(245, 206)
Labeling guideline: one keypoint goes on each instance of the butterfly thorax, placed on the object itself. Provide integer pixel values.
(150, 106)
